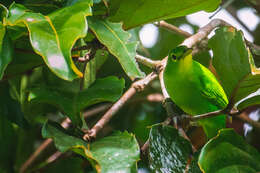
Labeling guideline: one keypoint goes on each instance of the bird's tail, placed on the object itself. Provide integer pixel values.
(212, 125)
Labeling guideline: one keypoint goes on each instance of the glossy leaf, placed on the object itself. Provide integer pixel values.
(116, 40)
(135, 12)
(234, 64)
(250, 100)
(228, 152)
(106, 89)
(6, 49)
(104, 154)
(53, 36)
(168, 151)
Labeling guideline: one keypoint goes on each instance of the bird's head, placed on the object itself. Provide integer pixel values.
(179, 53)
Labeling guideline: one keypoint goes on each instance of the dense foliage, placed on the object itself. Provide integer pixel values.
(63, 63)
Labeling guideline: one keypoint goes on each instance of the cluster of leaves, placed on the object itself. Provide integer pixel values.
(40, 43)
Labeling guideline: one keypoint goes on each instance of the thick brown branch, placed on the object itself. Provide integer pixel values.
(136, 86)
(204, 32)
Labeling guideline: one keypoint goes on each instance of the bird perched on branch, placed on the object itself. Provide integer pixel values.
(194, 89)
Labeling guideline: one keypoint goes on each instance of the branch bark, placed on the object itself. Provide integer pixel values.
(172, 28)
(136, 86)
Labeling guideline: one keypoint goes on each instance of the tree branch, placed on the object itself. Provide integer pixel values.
(136, 86)
(255, 4)
(244, 117)
(147, 61)
(204, 32)
(172, 28)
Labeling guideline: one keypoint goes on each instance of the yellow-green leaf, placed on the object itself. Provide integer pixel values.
(53, 36)
(117, 42)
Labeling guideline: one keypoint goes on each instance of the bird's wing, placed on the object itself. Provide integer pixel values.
(211, 89)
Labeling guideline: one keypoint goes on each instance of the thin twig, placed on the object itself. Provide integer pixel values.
(255, 4)
(206, 115)
(54, 157)
(164, 91)
(233, 12)
(147, 61)
(144, 148)
(136, 86)
(184, 135)
(173, 28)
(244, 117)
(65, 124)
(29, 161)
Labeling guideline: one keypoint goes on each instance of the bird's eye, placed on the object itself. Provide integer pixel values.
(174, 57)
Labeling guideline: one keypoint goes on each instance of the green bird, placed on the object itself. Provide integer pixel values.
(194, 89)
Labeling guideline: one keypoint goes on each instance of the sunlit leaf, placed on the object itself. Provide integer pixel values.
(135, 12)
(116, 40)
(53, 36)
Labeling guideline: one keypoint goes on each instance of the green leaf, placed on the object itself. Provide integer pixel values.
(106, 89)
(234, 64)
(23, 60)
(8, 142)
(3, 12)
(117, 41)
(251, 100)
(6, 50)
(228, 152)
(10, 108)
(104, 154)
(135, 12)
(53, 36)
(168, 151)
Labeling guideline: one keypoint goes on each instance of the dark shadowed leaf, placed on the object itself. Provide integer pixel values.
(53, 36)
(6, 49)
(104, 154)
(10, 108)
(228, 152)
(106, 89)
(135, 12)
(168, 151)
(117, 41)
(8, 140)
